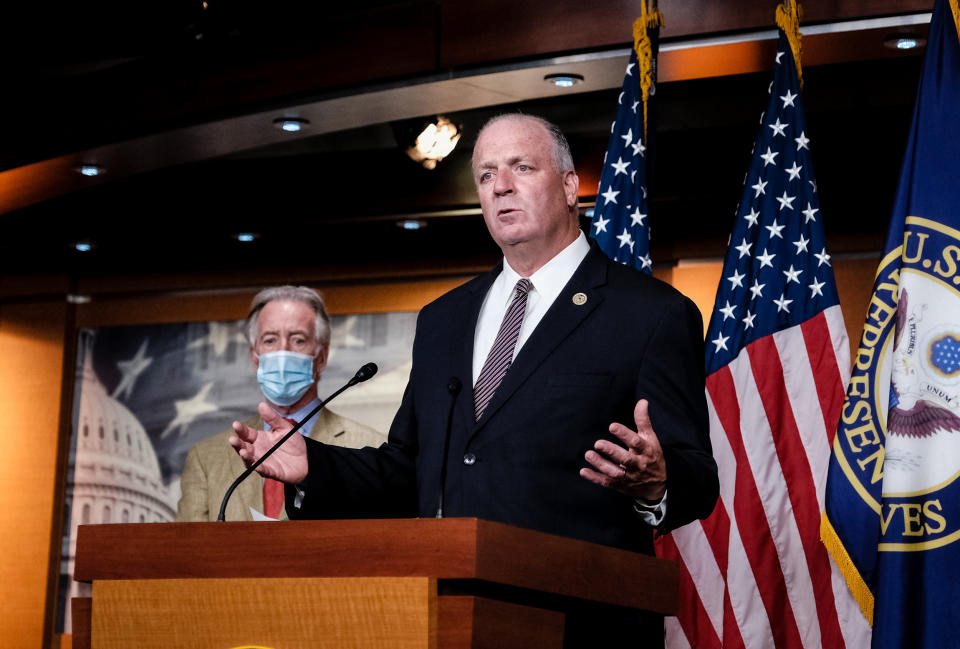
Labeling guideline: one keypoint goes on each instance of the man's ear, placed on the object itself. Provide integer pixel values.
(320, 362)
(571, 186)
(254, 359)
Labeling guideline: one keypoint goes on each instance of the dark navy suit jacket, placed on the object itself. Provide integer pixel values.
(583, 367)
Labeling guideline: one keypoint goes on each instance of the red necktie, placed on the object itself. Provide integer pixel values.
(273, 491)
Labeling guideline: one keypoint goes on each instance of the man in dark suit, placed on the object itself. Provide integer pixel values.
(571, 357)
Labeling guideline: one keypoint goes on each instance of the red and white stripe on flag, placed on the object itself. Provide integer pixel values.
(755, 574)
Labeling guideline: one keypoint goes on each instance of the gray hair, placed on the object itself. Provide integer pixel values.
(562, 158)
(293, 294)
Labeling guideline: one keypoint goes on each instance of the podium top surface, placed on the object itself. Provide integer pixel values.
(451, 548)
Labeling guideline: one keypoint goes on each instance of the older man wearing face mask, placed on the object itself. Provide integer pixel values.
(289, 333)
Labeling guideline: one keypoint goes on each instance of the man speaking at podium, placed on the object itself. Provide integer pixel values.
(586, 417)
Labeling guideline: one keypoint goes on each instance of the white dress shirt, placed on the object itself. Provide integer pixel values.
(547, 282)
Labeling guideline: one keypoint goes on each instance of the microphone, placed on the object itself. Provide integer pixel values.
(364, 373)
(454, 385)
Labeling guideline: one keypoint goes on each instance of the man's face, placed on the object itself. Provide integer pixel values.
(285, 325)
(523, 197)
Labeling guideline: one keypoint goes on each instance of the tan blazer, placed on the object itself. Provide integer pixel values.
(212, 465)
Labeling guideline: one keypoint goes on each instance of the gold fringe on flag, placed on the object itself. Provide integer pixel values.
(644, 49)
(858, 588)
(955, 8)
(788, 19)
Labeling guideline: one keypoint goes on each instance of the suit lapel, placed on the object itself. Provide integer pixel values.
(249, 493)
(463, 362)
(563, 317)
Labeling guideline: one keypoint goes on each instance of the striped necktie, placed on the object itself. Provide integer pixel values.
(501, 354)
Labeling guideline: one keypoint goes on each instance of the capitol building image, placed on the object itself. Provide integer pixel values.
(114, 475)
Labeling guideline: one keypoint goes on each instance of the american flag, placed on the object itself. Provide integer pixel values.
(620, 218)
(755, 574)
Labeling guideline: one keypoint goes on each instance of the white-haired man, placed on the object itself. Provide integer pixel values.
(289, 333)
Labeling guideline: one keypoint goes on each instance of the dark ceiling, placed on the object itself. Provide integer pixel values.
(333, 199)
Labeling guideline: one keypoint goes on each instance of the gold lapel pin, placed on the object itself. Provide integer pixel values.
(580, 299)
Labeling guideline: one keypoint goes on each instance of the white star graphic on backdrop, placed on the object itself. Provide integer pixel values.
(633, 176)
(219, 336)
(638, 148)
(769, 157)
(736, 279)
(757, 289)
(778, 128)
(629, 67)
(813, 185)
(130, 370)
(645, 261)
(620, 98)
(188, 410)
(786, 201)
(620, 167)
(759, 188)
(625, 240)
(801, 244)
(637, 218)
(815, 288)
(788, 98)
(822, 258)
(802, 141)
(810, 213)
(728, 309)
(628, 138)
(744, 248)
(793, 275)
(782, 304)
(779, 54)
(766, 259)
(752, 217)
(601, 224)
(634, 107)
(775, 229)
(720, 341)
(610, 196)
(794, 171)
(748, 320)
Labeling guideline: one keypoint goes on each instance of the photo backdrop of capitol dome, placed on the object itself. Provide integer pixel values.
(143, 395)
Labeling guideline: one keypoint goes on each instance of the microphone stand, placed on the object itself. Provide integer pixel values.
(362, 374)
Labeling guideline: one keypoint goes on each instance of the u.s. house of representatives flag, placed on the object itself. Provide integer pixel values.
(893, 495)
(755, 574)
(620, 218)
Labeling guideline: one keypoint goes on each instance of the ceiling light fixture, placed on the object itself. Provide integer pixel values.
(89, 170)
(291, 124)
(411, 224)
(82, 246)
(246, 237)
(564, 79)
(78, 299)
(904, 41)
(435, 142)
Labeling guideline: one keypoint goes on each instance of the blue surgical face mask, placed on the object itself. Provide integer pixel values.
(284, 376)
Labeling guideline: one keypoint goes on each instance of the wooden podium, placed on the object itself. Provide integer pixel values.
(411, 583)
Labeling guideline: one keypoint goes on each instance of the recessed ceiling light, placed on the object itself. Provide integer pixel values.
(411, 224)
(246, 237)
(90, 170)
(904, 41)
(78, 299)
(564, 79)
(82, 246)
(291, 124)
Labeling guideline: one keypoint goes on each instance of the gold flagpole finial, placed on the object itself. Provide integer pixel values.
(644, 50)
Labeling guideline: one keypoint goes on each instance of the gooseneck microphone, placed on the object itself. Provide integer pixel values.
(362, 375)
(454, 385)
